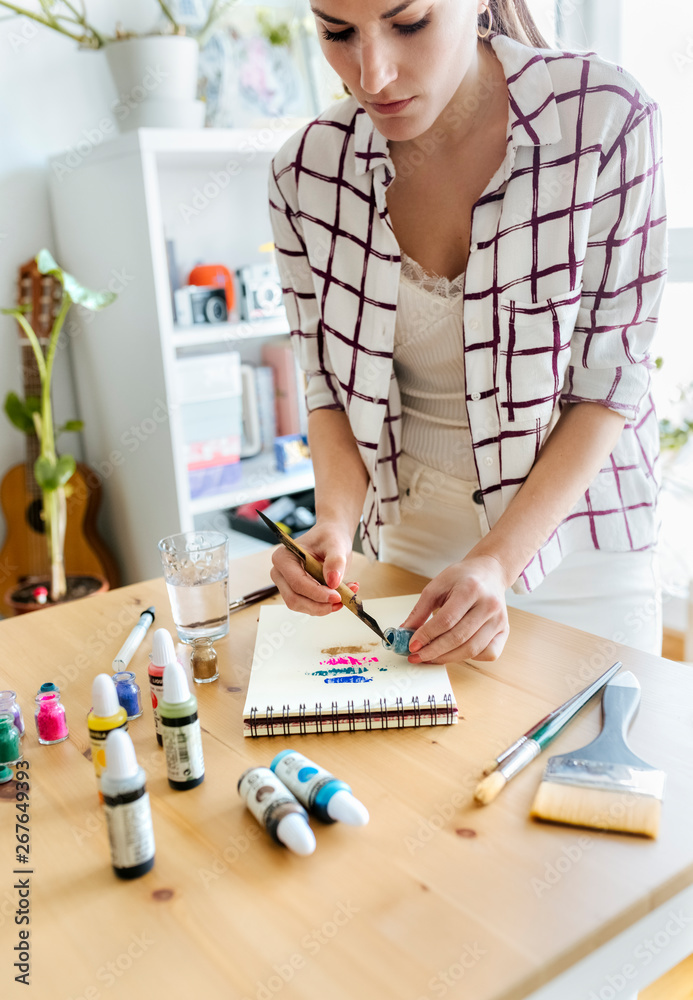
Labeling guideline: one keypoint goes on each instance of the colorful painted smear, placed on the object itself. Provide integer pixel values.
(354, 661)
(349, 679)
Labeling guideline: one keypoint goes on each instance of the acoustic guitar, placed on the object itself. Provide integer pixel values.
(24, 555)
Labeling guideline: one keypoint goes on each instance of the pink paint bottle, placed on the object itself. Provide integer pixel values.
(51, 724)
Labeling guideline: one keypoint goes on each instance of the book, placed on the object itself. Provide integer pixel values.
(281, 359)
(332, 674)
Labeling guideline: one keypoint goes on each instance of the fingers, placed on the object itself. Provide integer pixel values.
(483, 630)
(333, 570)
(298, 589)
(423, 609)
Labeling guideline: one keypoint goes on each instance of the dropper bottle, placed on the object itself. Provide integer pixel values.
(127, 809)
(163, 652)
(106, 715)
(180, 729)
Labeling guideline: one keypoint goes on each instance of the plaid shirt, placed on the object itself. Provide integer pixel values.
(562, 288)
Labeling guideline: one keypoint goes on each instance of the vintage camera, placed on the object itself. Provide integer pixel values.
(261, 291)
(200, 304)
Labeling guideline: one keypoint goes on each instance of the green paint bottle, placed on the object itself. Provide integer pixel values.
(180, 730)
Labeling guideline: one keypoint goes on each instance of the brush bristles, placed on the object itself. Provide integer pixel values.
(597, 808)
(488, 789)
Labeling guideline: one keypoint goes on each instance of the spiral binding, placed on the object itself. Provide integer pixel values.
(329, 720)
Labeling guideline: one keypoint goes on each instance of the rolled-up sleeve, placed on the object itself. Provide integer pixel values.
(307, 337)
(624, 273)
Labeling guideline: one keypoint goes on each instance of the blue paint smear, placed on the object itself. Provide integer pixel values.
(349, 679)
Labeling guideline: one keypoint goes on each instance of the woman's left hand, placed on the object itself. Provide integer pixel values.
(471, 619)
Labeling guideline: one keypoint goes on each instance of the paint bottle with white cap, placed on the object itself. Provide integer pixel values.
(180, 730)
(319, 791)
(107, 714)
(275, 808)
(126, 807)
(162, 653)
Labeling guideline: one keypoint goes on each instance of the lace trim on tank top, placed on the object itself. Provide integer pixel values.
(435, 283)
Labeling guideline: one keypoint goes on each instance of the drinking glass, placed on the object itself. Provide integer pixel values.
(196, 570)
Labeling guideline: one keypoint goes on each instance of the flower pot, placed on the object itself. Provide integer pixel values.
(79, 585)
(156, 80)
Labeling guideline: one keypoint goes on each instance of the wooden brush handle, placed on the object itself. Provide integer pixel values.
(314, 568)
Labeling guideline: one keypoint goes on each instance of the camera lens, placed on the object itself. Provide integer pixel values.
(269, 295)
(215, 310)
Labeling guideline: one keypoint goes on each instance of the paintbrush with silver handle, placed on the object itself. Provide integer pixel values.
(579, 699)
(528, 747)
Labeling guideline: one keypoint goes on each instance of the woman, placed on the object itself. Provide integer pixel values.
(472, 250)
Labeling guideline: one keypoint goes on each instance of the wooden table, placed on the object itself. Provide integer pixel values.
(435, 897)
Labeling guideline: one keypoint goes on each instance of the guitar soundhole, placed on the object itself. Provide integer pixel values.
(33, 516)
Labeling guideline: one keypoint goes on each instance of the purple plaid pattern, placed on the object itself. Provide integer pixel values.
(566, 270)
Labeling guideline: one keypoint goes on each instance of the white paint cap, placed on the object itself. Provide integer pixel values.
(176, 688)
(294, 833)
(162, 648)
(121, 761)
(104, 697)
(346, 809)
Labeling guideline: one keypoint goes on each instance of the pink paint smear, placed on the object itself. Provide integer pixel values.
(354, 661)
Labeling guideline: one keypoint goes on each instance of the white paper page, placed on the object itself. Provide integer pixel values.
(301, 659)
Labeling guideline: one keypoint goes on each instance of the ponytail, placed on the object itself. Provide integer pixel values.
(512, 18)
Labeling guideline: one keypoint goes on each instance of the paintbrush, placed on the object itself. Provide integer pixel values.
(605, 785)
(579, 699)
(248, 599)
(529, 746)
(314, 568)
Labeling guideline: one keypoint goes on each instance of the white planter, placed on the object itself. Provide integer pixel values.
(156, 80)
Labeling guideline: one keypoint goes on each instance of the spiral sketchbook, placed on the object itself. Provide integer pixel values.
(332, 674)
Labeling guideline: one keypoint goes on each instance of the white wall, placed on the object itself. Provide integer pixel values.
(53, 95)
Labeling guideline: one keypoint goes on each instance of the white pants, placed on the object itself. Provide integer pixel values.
(615, 595)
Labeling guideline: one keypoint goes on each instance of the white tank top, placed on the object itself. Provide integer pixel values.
(429, 366)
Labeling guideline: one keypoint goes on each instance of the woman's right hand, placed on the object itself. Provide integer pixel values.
(331, 544)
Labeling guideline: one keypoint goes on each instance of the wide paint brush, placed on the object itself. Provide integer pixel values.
(605, 785)
(314, 568)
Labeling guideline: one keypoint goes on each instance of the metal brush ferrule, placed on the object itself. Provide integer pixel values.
(523, 756)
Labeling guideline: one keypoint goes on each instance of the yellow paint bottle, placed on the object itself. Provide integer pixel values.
(106, 715)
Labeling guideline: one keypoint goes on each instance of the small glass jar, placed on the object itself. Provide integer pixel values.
(8, 703)
(128, 691)
(203, 661)
(51, 724)
(9, 745)
(397, 639)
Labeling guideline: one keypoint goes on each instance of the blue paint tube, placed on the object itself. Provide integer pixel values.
(318, 790)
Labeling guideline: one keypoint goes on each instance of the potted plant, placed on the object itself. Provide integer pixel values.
(155, 73)
(35, 414)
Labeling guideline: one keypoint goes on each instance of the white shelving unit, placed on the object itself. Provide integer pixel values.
(207, 191)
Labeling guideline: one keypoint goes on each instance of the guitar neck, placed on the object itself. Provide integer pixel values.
(42, 293)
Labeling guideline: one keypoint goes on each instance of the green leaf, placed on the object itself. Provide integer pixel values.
(71, 425)
(19, 413)
(77, 293)
(46, 474)
(65, 469)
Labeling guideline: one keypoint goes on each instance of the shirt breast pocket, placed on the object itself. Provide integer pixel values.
(534, 356)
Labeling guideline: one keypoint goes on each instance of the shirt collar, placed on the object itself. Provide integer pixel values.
(533, 118)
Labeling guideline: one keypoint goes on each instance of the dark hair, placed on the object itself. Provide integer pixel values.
(512, 18)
